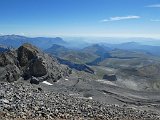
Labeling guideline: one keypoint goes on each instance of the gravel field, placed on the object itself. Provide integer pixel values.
(22, 101)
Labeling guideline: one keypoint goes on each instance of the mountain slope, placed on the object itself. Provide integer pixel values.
(75, 56)
(136, 70)
(96, 49)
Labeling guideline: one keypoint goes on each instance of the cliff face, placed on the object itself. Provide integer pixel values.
(28, 62)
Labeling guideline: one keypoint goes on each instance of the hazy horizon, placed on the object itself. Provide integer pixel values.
(96, 40)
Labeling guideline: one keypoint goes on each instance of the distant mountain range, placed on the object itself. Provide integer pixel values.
(131, 60)
(72, 55)
(134, 46)
(45, 42)
(96, 53)
(41, 42)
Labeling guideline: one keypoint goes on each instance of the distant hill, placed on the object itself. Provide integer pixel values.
(134, 46)
(72, 55)
(41, 42)
(57, 50)
(96, 49)
(99, 50)
(123, 58)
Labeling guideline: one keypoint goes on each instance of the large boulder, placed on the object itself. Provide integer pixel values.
(30, 62)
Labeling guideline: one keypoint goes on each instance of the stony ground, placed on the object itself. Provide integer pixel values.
(20, 101)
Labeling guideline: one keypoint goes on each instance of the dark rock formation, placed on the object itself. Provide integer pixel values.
(26, 53)
(28, 61)
(79, 67)
(111, 77)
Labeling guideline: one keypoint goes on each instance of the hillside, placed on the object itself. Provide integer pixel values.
(132, 69)
(23, 101)
(72, 55)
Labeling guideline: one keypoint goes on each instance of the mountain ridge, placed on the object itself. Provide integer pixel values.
(41, 42)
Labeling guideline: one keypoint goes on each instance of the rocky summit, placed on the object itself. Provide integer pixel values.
(28, 62)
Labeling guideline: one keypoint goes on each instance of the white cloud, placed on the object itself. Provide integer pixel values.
(120, 18)
(154, 6)
(155, 20)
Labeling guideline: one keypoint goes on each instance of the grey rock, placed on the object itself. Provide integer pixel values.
(28, 61)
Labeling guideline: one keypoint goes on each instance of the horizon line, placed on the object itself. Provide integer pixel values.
(88, 36)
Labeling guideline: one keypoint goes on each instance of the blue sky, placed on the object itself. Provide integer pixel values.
(106, 18)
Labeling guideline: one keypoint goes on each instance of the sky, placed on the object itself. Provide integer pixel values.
(99, 18)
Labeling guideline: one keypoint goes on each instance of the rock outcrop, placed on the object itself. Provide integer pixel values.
(28, 62)
(111, 77)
